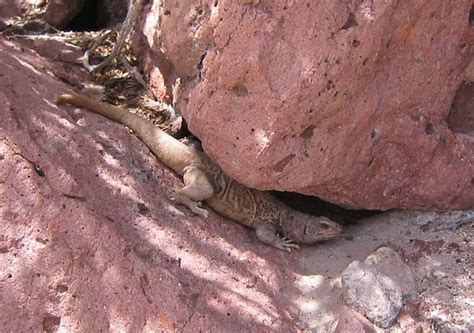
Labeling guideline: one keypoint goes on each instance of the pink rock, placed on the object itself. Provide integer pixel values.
(347, 101)
(95, 14)
(89, 241)
(352, 321)
(61, 12)
(159, 71)
(411, 320)
(10, 8)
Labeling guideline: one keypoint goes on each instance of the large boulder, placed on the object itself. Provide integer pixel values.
(11, 8)
(89, 241)
(60, 13)
(86, 15)
(345, 100)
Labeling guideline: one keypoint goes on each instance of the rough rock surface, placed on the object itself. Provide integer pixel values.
(378, 286)
(387, 262)
(88, 15)
(60, 13)
(345, 100)
(354, 322)
(373, 294)
(408, 324)
(89, 240)
(9, 8)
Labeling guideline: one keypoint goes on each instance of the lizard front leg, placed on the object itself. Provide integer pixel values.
(196, 188)
(266, 233)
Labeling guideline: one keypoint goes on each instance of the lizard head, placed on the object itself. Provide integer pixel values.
(307, 229)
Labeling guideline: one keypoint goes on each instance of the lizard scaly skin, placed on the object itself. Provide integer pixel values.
(274, 223)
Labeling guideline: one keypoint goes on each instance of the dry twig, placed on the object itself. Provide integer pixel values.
(134, 9)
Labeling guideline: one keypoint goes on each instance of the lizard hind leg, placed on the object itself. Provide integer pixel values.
(197, 188)
(266, 233)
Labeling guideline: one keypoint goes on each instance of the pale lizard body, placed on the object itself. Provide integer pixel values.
(274, 223)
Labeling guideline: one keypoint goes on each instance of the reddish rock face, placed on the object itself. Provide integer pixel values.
(73, 255)
(60, 13)
(96, 14)
(9, 8)
(343, 100)
(89, 241)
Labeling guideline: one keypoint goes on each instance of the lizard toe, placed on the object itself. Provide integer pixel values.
(201, 212)
(205, 214)
(286, 244)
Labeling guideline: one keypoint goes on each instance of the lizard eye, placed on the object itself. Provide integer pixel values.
(325, 225)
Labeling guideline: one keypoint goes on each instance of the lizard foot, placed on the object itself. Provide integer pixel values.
(285, 244)
(267, 234)
(193, 206)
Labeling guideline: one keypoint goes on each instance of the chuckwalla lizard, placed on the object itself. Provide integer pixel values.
(274, 223)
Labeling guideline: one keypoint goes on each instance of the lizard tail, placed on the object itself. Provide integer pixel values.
(107, 110)
(167, 149)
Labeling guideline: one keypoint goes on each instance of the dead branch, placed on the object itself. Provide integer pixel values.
(134, 9)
